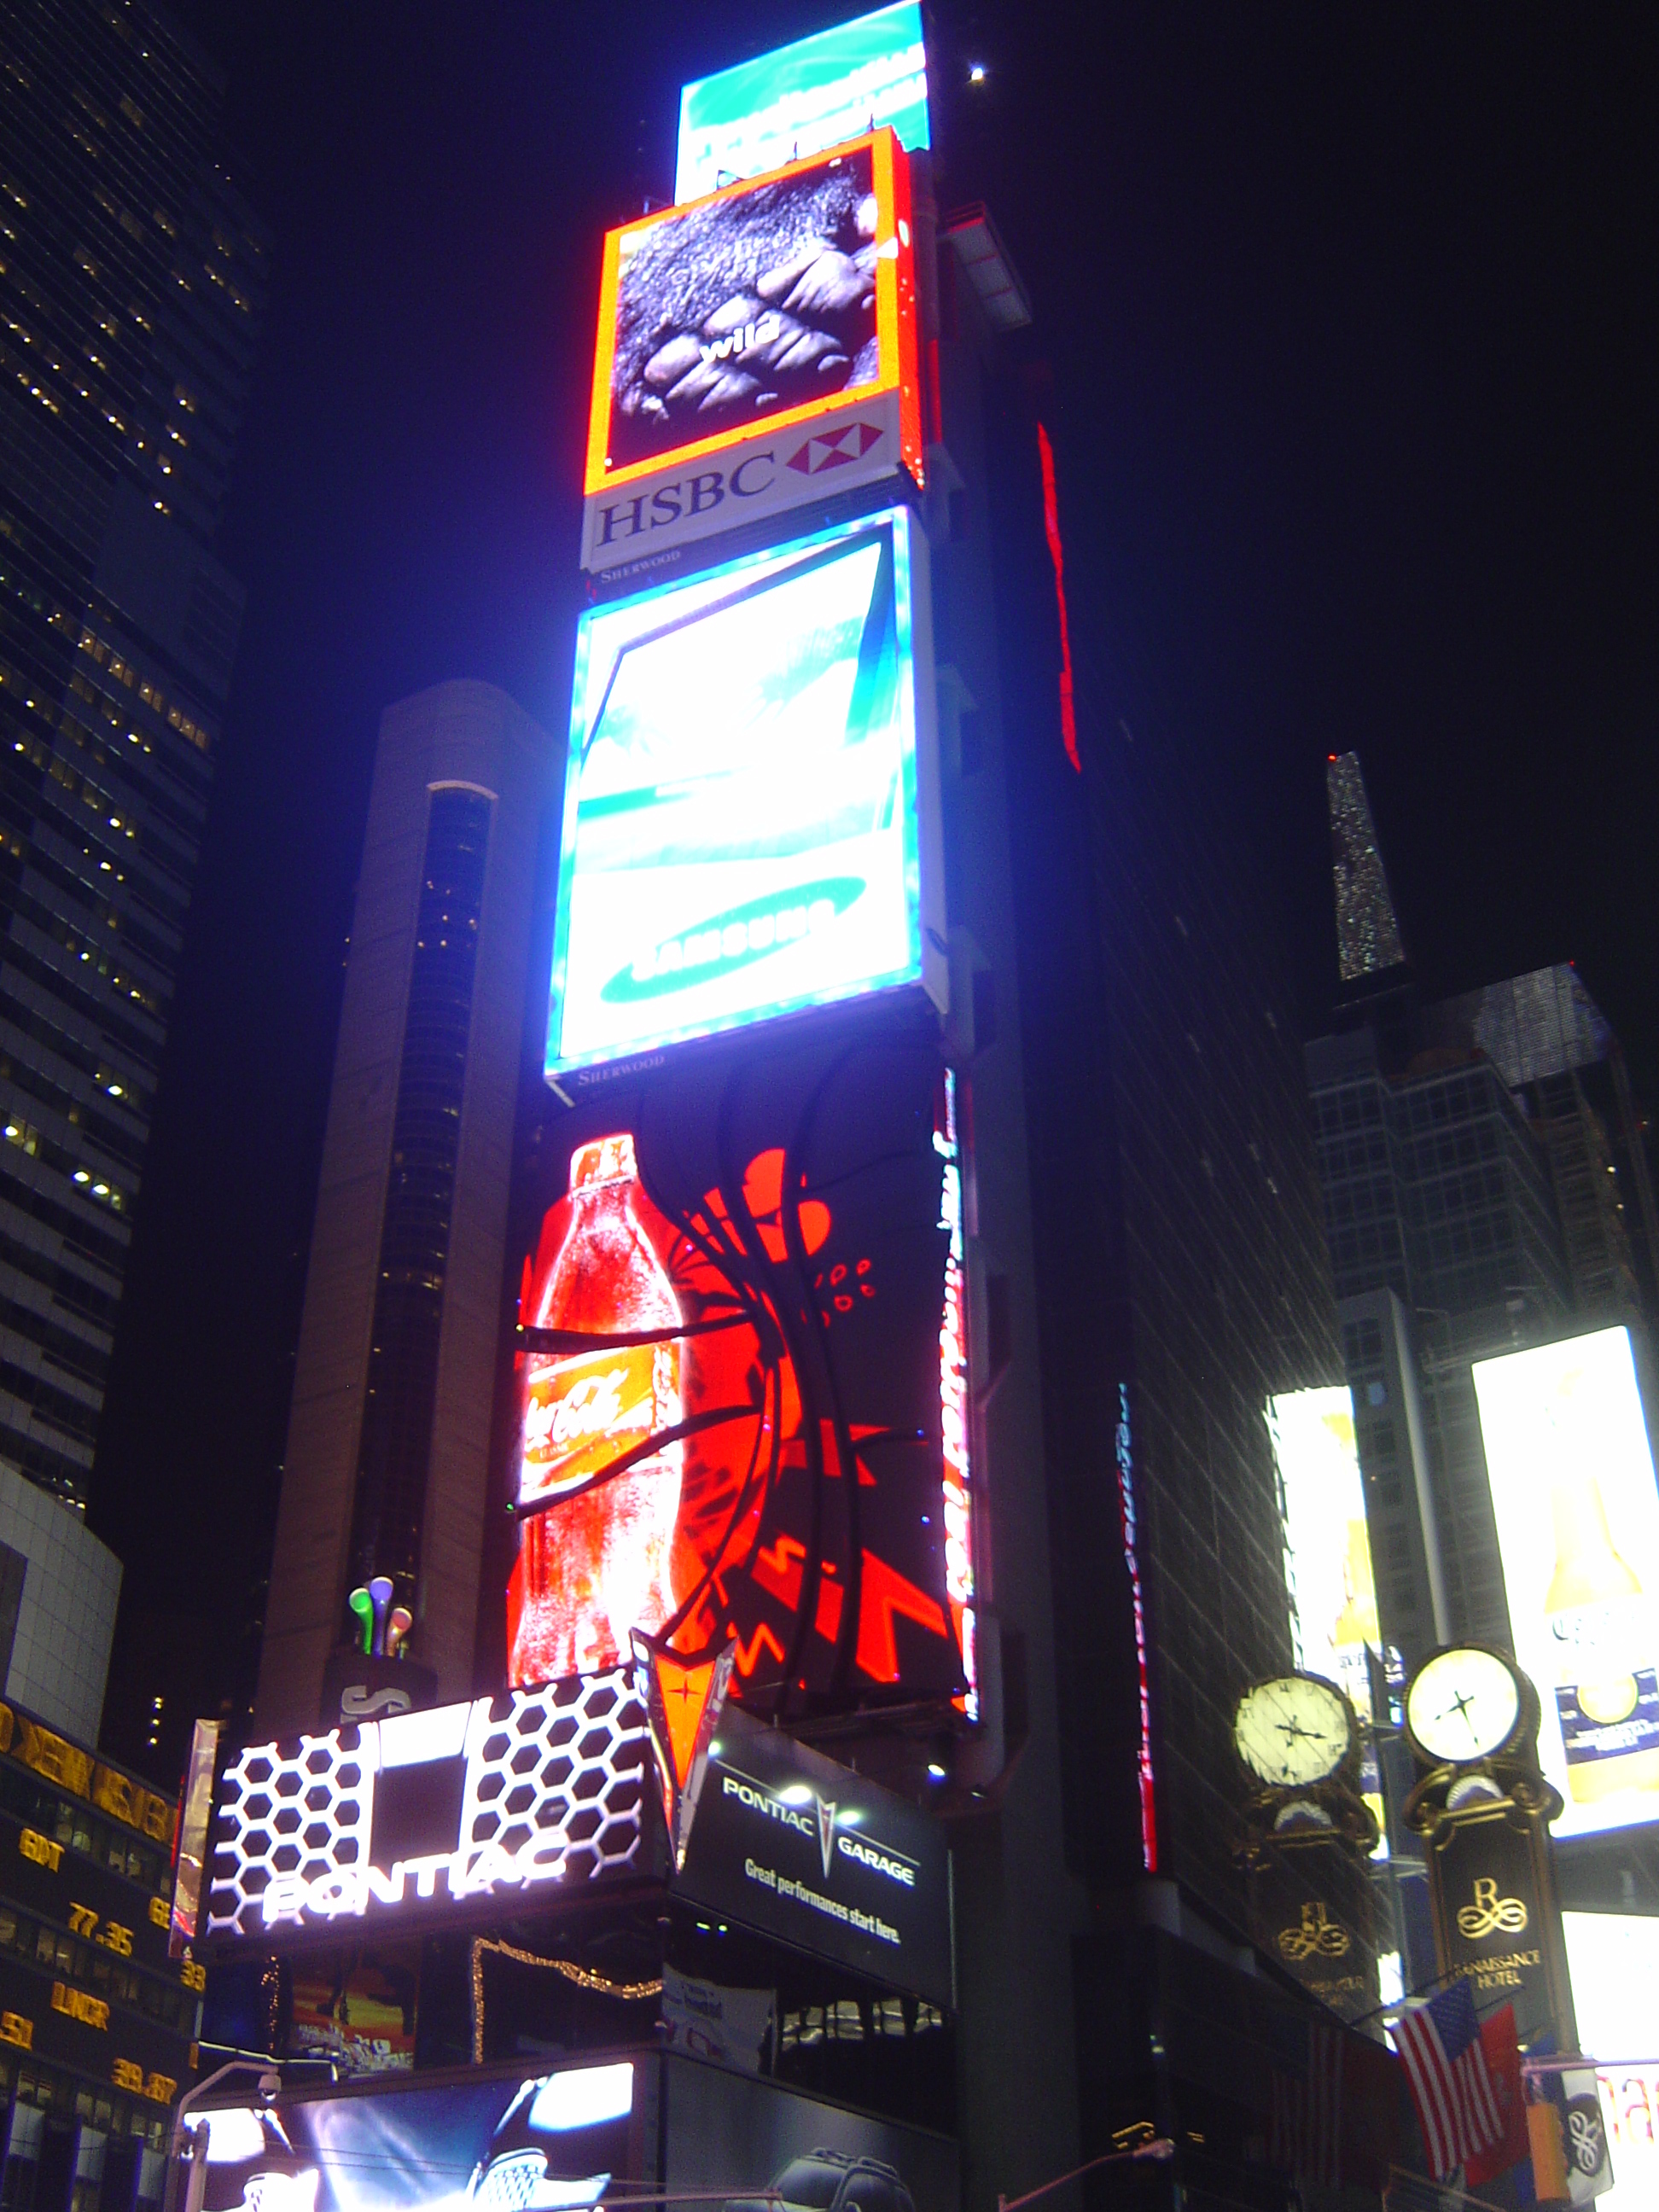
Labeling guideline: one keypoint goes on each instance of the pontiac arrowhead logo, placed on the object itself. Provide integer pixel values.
(834, 449)
(826, 1831)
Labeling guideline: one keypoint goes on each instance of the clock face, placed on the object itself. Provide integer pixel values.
(1462, 1705)
(1293, 1731)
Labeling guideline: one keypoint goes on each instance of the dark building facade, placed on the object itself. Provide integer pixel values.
(1150, 1268)
(133, 285)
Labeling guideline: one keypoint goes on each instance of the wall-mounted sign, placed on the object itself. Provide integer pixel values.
(751, 811)
(361, 1686)
(733, 1408)
(1310, 1909)
(1578, 1516)
(798, 99)
(748, 346)
(55, 1759)
(788, 1841)
(394, 1823)
(1496, 1919)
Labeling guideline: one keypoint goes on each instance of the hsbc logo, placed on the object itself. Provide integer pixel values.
(759, 479)
(834, 449)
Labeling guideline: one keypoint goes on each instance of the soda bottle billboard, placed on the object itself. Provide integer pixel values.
(731, 1416)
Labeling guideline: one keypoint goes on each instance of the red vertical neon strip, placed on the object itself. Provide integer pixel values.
(1056, 554)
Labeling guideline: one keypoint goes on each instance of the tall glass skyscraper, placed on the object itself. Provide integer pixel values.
(132, 286)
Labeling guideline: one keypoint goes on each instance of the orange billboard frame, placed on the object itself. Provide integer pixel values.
(898, 369)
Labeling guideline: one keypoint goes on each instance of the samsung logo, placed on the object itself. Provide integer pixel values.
(733, 939)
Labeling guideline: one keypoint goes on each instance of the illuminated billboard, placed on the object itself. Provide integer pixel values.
(756, 349)
(1614, 1959)
(613, 2126)
(502, 1800)
(740, 1378)
(750, 810)
(1327, 1553)
(1578, 1518)
(798, 99)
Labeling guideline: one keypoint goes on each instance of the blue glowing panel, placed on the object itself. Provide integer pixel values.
(798, 100)
(743, 834)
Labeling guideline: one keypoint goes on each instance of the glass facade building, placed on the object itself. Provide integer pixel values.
(131, 285)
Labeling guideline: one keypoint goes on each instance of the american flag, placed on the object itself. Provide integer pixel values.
(1307, 2103)
(1451, 2086)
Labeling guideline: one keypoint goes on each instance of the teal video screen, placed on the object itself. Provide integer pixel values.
(740, 832)
(798, 99)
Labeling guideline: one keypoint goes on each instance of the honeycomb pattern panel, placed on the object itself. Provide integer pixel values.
(299, 1810)
(555, 1781)
(553, 1791)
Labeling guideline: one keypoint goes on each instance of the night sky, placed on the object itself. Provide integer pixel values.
(1355, 315)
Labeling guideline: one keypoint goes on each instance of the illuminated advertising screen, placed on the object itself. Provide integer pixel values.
(733, 1416)
(788, 1842)
(747, 346)
(1327, 1553)
(798, 99)
(750, 810)
(1578, 1517)
(504, 1802)
(1614, 1959)
(553, 2134)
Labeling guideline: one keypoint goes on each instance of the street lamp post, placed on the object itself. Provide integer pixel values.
(270, 2082)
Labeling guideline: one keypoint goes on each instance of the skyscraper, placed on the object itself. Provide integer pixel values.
(388, 1435)
(1486, 1186)
(1367, 932)
(132, 278)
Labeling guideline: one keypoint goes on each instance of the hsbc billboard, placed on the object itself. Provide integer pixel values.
(756, 349)
(766, 474)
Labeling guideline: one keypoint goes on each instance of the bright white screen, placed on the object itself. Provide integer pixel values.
(1578, 1516)
(741, 828)
(1614, 1961)
(1326, 1547)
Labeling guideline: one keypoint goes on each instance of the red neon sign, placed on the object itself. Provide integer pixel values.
(1056, 554)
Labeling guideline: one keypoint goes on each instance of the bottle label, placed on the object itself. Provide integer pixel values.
(1609, 1716)
(581, 1414)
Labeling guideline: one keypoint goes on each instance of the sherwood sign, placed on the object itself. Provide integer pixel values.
(792, 1845)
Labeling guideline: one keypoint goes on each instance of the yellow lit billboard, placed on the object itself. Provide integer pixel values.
(1578, 1518)
(1327, 1553)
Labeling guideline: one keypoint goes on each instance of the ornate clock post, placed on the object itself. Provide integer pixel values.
(1484, 1810)
(1308, 1833)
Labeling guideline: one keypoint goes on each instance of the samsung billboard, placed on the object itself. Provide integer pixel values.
(750, 808)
